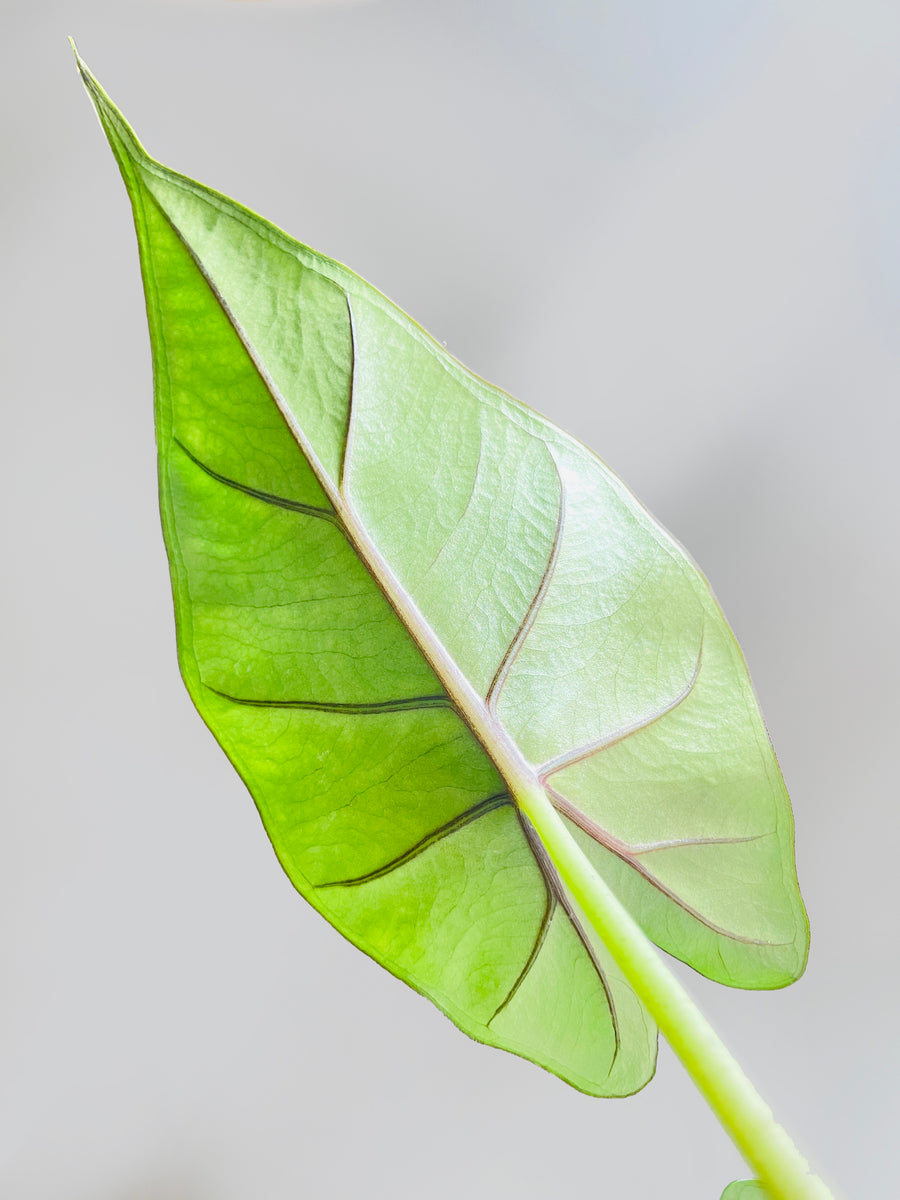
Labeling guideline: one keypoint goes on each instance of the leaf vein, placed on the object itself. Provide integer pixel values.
(453, 826)
(309, 510)
(555, 883)
(580, 753)
(404, 704)
(629, 855)
(540, 938)
(537, 599)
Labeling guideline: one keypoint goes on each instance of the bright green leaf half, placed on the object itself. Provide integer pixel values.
(374, 554)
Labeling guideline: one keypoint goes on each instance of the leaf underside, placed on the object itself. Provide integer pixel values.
(333, 484)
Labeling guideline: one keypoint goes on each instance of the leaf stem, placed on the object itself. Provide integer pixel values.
(747, 1119)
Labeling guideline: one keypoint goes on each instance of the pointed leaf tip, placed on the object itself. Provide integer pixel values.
(83, 69)
(121, 136)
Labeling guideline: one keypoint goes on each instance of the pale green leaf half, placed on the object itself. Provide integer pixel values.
(388, 575)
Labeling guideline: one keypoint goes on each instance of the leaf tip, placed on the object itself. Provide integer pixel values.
(84, 70)
(121, 136)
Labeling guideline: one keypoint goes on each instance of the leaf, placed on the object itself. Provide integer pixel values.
(745, 1189)
(399, 594)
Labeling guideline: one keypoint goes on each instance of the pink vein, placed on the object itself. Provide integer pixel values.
(528, 620)
(590, 748)
(629, 854)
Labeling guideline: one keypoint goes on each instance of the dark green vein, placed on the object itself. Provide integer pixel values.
(348, 428)
(405, 704)
(309, 510)
(540, 937)
(556, 885)
(457, 823)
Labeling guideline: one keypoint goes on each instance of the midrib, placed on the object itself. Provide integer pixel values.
(520, 777)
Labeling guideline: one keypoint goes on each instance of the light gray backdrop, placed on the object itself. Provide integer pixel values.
(671, 227)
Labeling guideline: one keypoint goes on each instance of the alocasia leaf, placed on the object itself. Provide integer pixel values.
(745, 1189)
(399, 593)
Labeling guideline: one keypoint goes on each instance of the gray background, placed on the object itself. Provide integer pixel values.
(673, 227)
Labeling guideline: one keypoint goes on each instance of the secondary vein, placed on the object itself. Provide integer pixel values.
(309, 510)
(404, 704)
(537, 599)
(459, 822)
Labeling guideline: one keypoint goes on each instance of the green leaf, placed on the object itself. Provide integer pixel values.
(745, 1189)
(401, 597)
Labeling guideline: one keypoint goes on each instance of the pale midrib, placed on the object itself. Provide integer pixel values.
(520, 776)
(524, 781)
